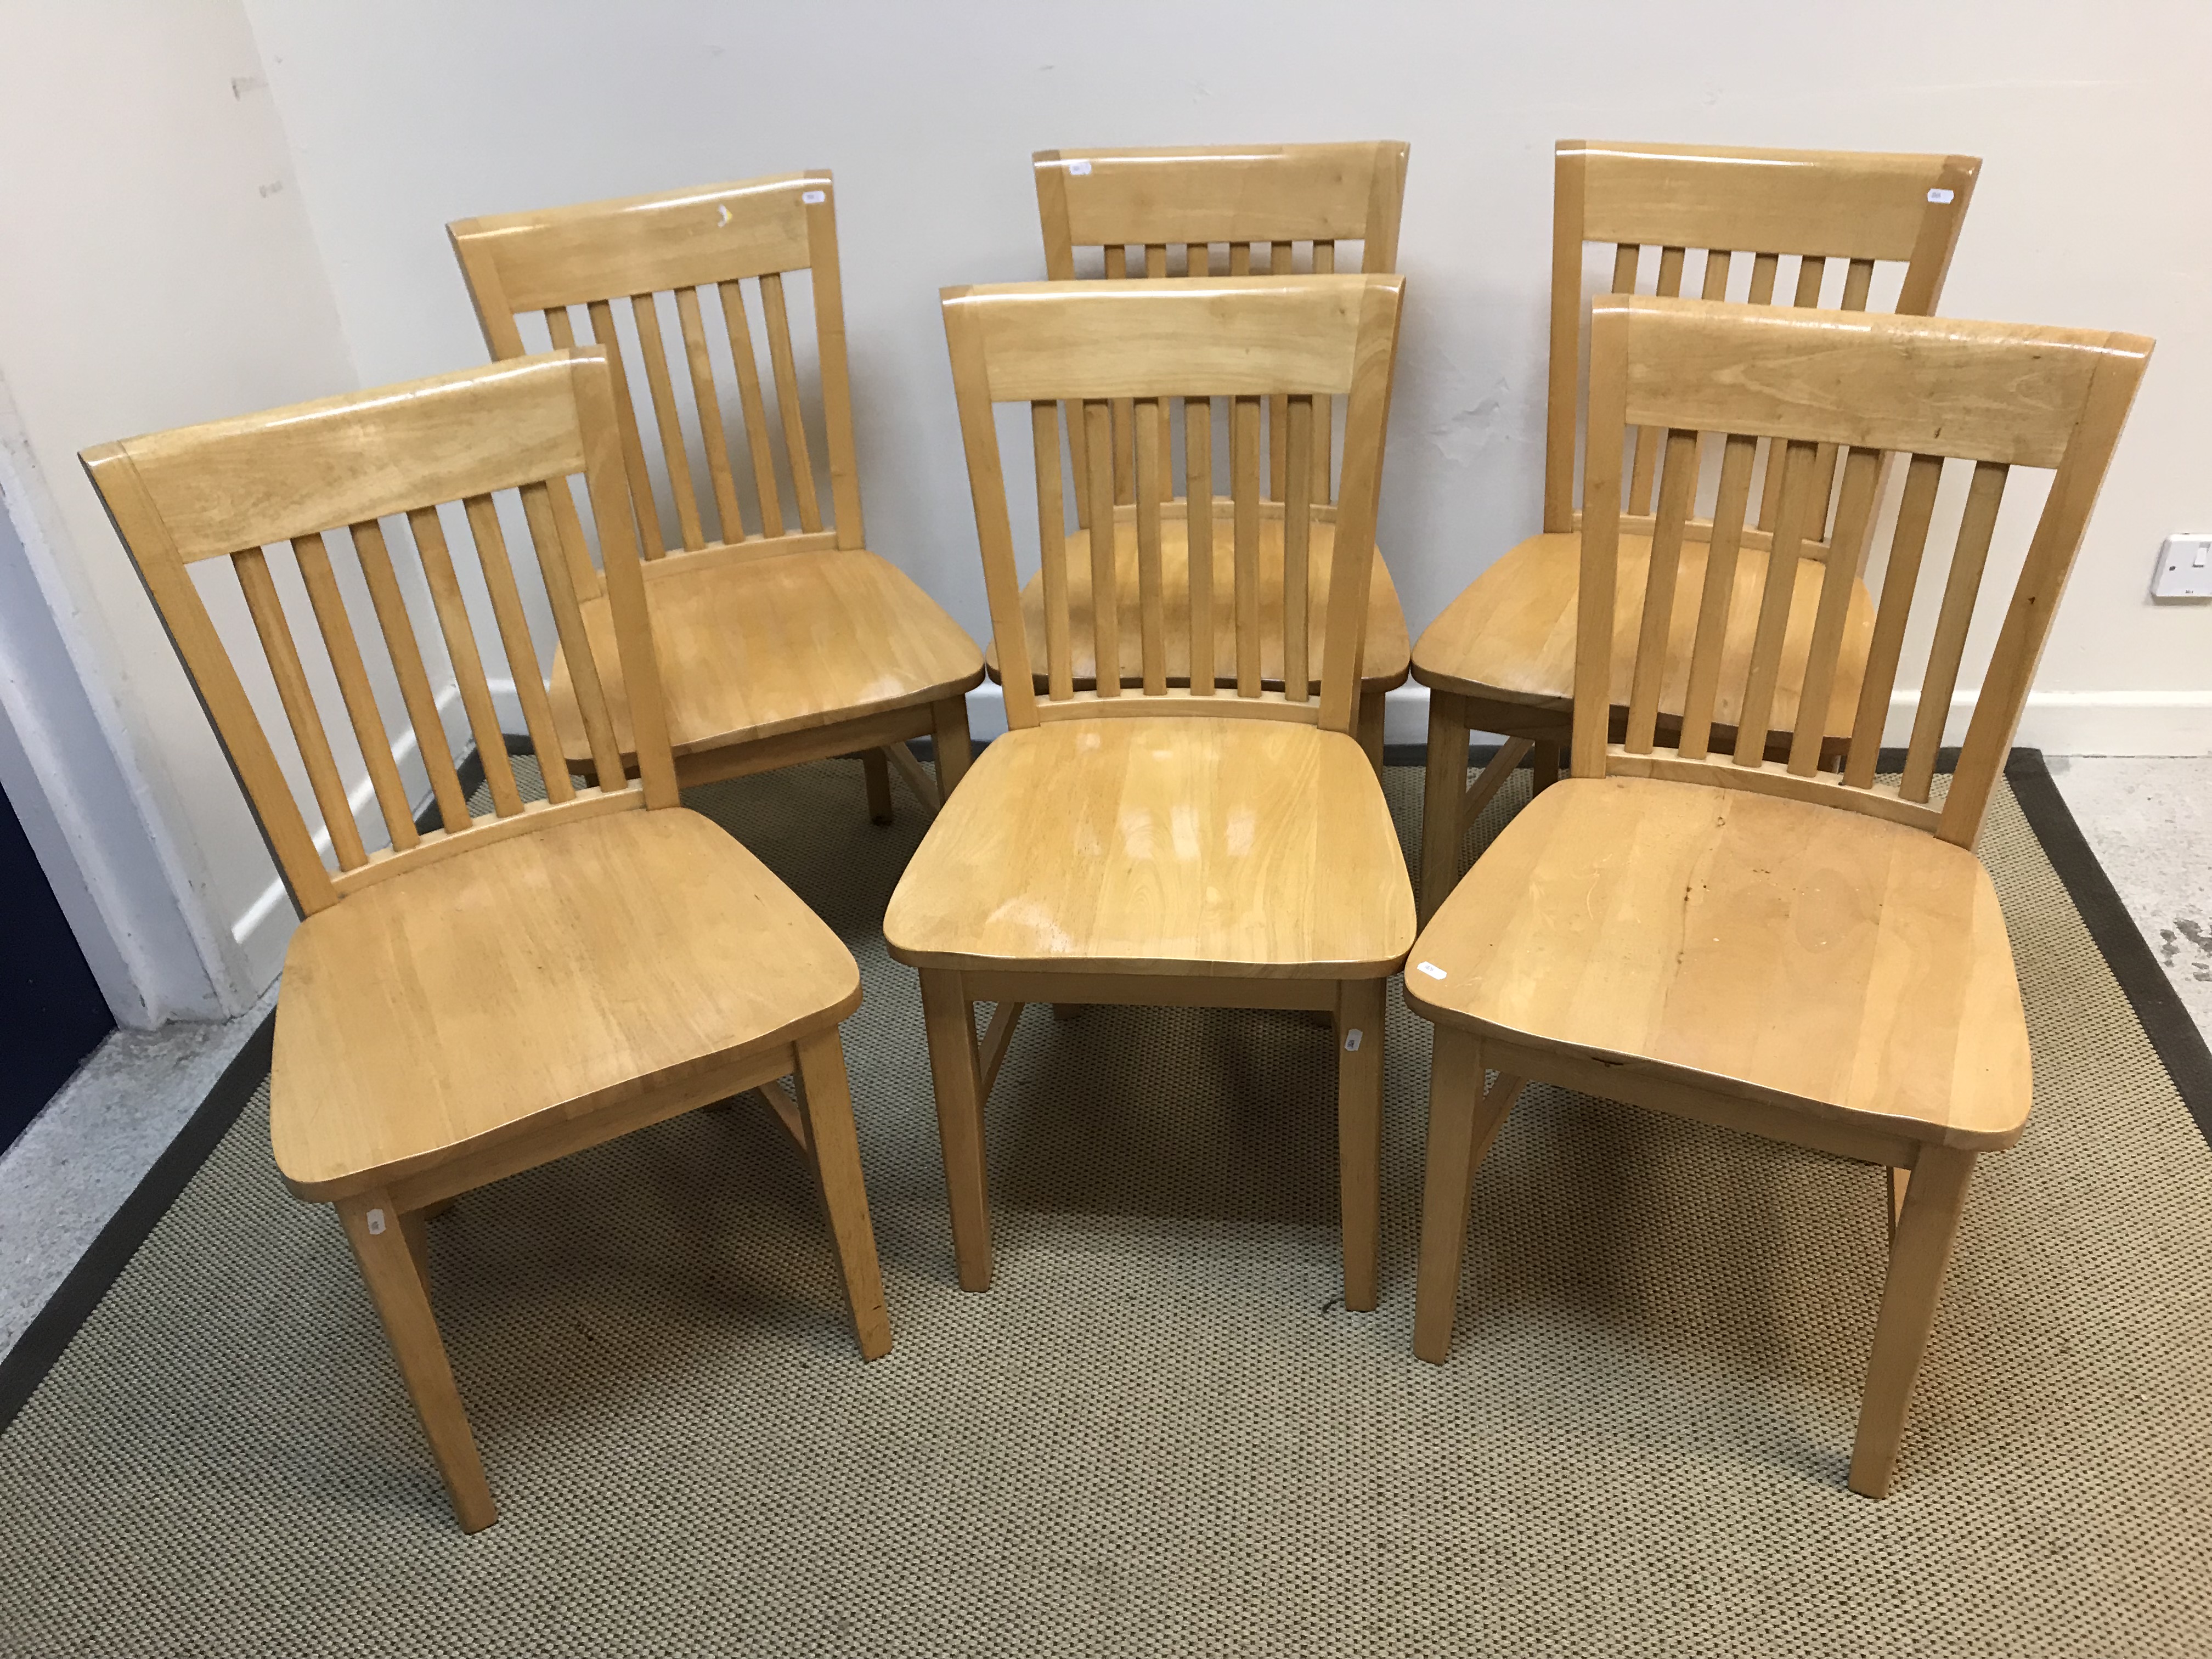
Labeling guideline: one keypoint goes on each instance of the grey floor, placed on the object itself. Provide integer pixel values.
(2149, 820)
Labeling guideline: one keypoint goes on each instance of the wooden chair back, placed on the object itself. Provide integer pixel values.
(373, 471)
(1992, 396)
(1160, 344)
(1744, 212)
(700, 249)
(1258, 202)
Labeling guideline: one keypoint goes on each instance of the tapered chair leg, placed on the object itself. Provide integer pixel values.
(372, 1228)
(1445, 787)
(826, 1097)
(1359, 1136)
(949, 737)
(1543, 769)
(1919, 1253)
(950, 1020)
(1463, 1120)
(878, 771)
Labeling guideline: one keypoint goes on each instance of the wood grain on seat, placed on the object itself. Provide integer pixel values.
(757, 647)
(1252, 848)
(1786, 952)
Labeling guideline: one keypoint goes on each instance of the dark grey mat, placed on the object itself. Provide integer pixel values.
(1159, 1432)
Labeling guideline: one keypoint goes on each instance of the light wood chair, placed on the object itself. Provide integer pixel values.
(1762, 943)
(776, 645)
(464, 1004)
(1207, 845)
(1500, 657)
(1261, 202)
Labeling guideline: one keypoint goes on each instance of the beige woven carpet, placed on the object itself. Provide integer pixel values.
(1160, 1432)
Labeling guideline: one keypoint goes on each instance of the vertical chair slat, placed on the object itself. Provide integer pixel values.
(1156, 265)
(1810, 272)
(1239, 258)
(1626, 258)
(1714, 605)
(1105, 596)
(1717, 261)
(1298, 536)
(574, 545)
(1862, 474)
(1052, 548)
(461, 651)
(1901, 574)
(1198, 489)
(710, 404)
(647, 316)
(1678, 485)
(400, 645)
(786, 402)
(1649, 440)
(644, 510)
(537, 501)
(1324, 264)
(1124, 458)
(1775, 603)
(521, 651)
(1279, 264)
(1244, 505)
(344, 651)
(1968, 555)
(1858, 280)
(1152, 601)
(751, 405)
(1764, 269)
(292, 690)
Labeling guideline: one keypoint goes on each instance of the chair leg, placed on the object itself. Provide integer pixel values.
(1372, 712)
(1463, 1120)
(826, 1096)
(877, 770)
(1544, 769)
(948, 737)
(1446, 786)
(1359, 1136)
(373, 1227)
(413, 1227)
(1919, 1252)
(949, 1019)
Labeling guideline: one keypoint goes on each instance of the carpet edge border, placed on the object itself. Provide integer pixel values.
(2165, 1019)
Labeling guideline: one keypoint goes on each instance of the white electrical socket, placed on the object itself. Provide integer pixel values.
(2183, 570)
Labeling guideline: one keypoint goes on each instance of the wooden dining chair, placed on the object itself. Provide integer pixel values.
(1500, 657)
(1206, 845)
(776, 645)
(462, 1003)
(1690, 925)
(1260, 203)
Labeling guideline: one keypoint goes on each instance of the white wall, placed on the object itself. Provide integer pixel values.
(156, 268)
(2093, 207)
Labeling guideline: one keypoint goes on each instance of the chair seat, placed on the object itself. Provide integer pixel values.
(754, 646)
(1384, 657)
(1786, 952)
(1172, 845)
(572, 967)
(1510, 637)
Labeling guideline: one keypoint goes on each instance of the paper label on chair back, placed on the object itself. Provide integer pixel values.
(1351, 1040)
(375, 1221)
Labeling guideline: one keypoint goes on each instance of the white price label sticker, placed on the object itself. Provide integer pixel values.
(1431, 970)
(375, 1221)
(1940, 198)
(1080, 169)
(1351, 1040)
(815, 197)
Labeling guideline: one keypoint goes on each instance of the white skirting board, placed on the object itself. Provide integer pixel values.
(2057, 722)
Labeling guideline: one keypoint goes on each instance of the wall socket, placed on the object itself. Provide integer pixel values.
(2183, 570)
